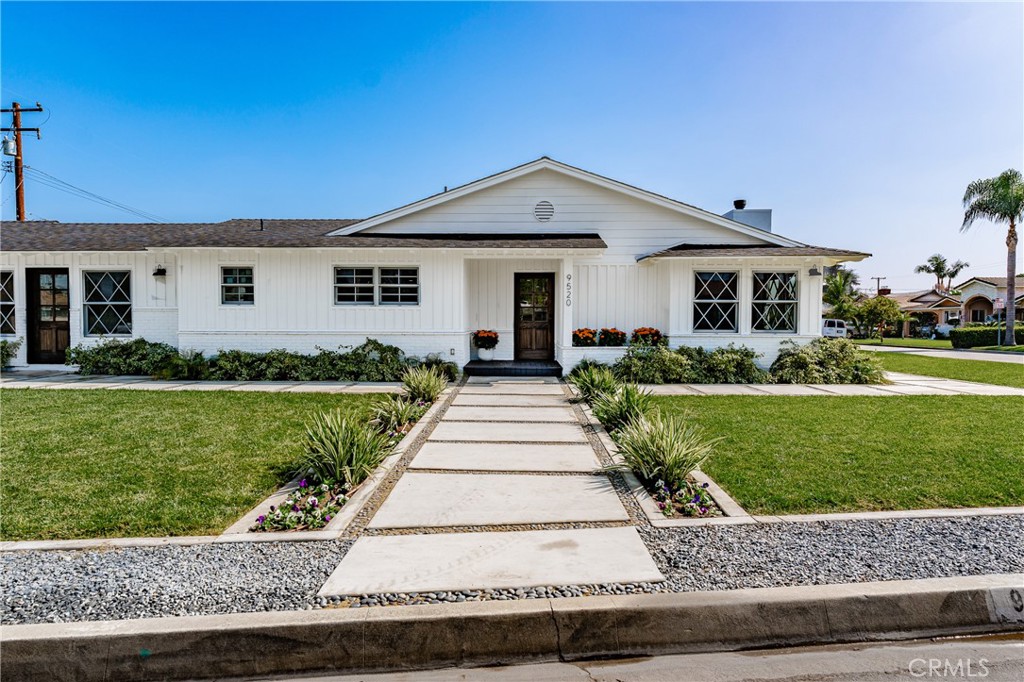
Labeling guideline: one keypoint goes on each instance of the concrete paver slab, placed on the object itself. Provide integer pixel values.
(489, 399)
(438, 500)
(516, 433)
(471, 561)
(915, 389)
(513, 389)
(510, 414)
(789, 389)
(506, 457)
(725, 389)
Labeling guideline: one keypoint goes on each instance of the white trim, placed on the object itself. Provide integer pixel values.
(545, 163)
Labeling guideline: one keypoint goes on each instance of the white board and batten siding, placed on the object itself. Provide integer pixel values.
(154, 299)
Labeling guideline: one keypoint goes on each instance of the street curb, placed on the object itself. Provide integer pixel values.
(494, 632)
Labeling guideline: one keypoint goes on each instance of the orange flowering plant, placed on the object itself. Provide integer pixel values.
(612, 337)
(584, 337)
(485, 338)
(648, 335)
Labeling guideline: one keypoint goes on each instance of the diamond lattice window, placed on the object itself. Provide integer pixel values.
(774, 302)
(108, 303)
(7, 303)
(714, 302)
(237, 286)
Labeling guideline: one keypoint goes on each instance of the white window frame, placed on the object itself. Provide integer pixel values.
(372, 285)
(86, 304)
(377, 286)
(222, 286)
(12, 315)
(795, 301)
(735, 301)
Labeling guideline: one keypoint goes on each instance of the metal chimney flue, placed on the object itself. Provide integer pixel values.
(739, 204)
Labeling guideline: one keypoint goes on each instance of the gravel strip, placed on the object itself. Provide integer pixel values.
(150, 582)
(828, 552)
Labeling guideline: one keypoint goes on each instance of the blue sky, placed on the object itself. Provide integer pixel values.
(859, 124)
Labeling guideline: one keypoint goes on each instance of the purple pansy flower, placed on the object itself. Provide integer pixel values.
(302, 483)
(261, 518)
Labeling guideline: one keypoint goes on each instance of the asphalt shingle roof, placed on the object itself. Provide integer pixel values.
(750, 250)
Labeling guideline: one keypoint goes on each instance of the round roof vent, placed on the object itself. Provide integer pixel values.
(543, 211)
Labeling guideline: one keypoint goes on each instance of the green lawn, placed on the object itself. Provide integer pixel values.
(1001, 373)
(790, 455)
(91, 463)
(909, 343)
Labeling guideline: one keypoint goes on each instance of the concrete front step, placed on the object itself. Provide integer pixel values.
(512, 388)
(515, 433)
(422, 500)
(464, 399)
(492, 413)
(476, 561)
(506, 457)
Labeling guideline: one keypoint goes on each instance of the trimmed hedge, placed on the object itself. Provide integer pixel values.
(969, 337)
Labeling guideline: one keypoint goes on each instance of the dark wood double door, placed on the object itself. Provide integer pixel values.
(49, 314)
(535, 315)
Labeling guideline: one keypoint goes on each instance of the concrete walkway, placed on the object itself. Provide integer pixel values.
(953, 354)
(902, 384)
(54, 379)
(506, 492)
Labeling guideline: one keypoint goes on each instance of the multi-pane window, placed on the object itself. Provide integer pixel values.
(7, 302)
(237, 287)
(399, 286)
(353, 286)
(107, 303)
(714, 302)
(773, 307)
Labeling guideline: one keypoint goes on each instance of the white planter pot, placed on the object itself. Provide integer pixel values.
(485, 354)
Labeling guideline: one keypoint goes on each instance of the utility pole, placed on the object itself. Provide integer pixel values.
(878, 284)
(19, 163)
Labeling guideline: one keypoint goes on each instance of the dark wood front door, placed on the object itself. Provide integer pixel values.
(535, 316)
(49, 320)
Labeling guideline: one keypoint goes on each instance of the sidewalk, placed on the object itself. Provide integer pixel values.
(984, 356)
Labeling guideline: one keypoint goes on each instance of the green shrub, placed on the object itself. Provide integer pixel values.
(593, 382)
(652, 364)
(186, 364)
(728, 365)
(449, 369)
(662, 448)
(585, 364)
(628, 403)
(395, 413)
(826, 361)
(971, 336)
(137, 357)
(8, 350)
(338, 451)
(424, 384)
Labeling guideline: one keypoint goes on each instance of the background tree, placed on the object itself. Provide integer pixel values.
(937, 265)
(876, 312)
(840, 291)
(953, 271)
(1001, 200)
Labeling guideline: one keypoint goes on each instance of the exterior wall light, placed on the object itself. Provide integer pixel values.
(160, 271)
(814, 272)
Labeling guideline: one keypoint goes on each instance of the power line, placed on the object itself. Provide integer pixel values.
(54, 182)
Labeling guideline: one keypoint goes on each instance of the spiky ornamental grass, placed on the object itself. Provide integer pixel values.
(663, 448)
(424, 384)
(618, 408)
(395, 413)
(593, 382)
(341, 451)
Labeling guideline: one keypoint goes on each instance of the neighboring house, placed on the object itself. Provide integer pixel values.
(533, 253)
(930, 307)
(980, 293)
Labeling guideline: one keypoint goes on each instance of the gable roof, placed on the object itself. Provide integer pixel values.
(912, 300)
(546, 163)
(997, 282)
(748, 250)
(239, 233)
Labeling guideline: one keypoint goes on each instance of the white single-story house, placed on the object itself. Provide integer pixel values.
(533, 252)
(979, 296)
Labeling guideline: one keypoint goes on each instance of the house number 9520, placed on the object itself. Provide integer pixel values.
(568, 290)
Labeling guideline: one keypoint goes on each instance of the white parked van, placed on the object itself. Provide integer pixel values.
(834, 329)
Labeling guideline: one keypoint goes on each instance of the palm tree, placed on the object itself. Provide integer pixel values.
(840, 291)
(1001, 200)
(936, 265)
(953, 271)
